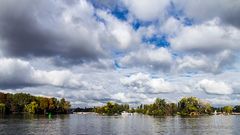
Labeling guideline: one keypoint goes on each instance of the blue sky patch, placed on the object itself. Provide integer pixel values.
(116, 65)
(174, 11)
(159, 41)
(136, 24)
(120, 13)
(187, 21)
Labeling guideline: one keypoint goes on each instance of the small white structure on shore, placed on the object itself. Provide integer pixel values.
(124, 113)
(215, 112)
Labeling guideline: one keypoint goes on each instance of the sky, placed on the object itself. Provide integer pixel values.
(126, 51)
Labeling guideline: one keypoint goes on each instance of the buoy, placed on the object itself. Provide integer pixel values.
(49, 115)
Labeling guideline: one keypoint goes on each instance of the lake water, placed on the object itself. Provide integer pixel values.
(92, 124)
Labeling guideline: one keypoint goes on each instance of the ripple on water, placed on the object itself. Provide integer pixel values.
(92, 124)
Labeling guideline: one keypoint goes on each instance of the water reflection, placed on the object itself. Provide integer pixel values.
(132, 125)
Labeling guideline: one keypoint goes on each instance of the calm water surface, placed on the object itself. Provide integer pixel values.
(92, 124)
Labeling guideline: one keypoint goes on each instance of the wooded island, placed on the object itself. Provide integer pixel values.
(22, 102)
(188, 106)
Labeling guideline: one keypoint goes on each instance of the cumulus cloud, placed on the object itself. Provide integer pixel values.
(147, 10)
(188, 62)
(17, 73)
(78, 49)
(215, 87)
(171, 26)
(144, 83)
(223, 100)
(51, 29)
(132, 98)
(120, 34)
(160, 85)
(209, 37)
(110, 4)
(228, 11)
(153, 58)
(205, 63)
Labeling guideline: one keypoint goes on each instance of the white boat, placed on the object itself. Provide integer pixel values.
(81, 113)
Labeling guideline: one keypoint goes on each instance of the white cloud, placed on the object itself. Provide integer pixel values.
(136, 81)
(189, 62)
(215, 87)
(133, 98)
(88, 41)
(118, 34)
(205, 63)
(209, 37)
(147, 10)
(160, 85)
(19, 73)
(144, 83)
(62, 78)
(223, 100)
(204, 10)
(153, 58)
(171, 26)
(147, 31)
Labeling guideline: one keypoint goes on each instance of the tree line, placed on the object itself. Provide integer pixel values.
(112, 109)
(187, 106)
(22, 102)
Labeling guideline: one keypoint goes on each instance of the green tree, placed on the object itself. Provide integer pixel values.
(64, 106)
(32, 107)
(158, 108)
(2, 108)
(21, 102)
(228, 109)
(193, 106)
(236, 108)
(53, 105)
(205, 108)
(188, 106)
(112, 109)
(44, 104)
(171, 109)
(2, 97)
(11, 103)
(2, 103)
